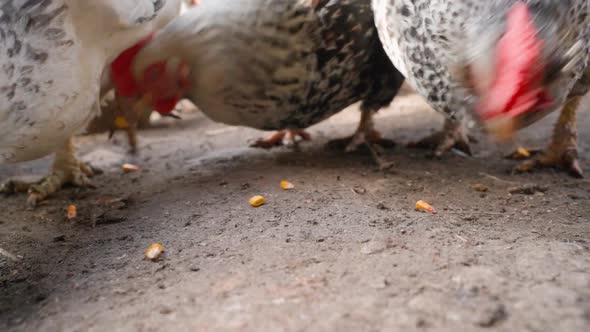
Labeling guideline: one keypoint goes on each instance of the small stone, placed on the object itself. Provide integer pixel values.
(376, 246)
(528, 189)
(381, 206)
(359, 190)
(61, 238)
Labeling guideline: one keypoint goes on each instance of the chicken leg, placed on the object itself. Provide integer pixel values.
(66, 169)
(367, 134)
(127, 110)
(562, 151)
(452, 136)
(121, 113)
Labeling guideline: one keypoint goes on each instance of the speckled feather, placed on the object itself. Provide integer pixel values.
(425, 39)
(52, 56)
(276, 64)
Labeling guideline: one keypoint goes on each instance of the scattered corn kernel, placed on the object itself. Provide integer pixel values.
(425, 207)
(154, 251)
(130, 168)
(121, 122)
(480, 187)
(72, 212)
(522, 152)
(257, 201)
(286, 185)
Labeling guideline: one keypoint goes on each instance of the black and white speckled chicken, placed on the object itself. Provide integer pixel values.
(52, 57)
(510, 62)
(268, 64)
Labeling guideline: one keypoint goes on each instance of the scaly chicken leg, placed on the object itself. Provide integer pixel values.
(562, 151)
(367, 134)
(452, 136)
(126, 110)
(117, 114)
(66, 169)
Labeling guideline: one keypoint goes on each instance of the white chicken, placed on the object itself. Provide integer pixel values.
(52, 57)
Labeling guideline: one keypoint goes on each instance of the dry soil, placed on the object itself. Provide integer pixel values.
(343, 251)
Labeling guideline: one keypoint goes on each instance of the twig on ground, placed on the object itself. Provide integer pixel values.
(461, 238)
(495, 178)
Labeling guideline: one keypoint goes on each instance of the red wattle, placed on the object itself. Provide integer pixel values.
(165, 106)
(121, 72)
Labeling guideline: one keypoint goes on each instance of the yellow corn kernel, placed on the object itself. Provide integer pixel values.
(121, 122)
(257, 201)
(286, 185)
(72, 211)
(130, 168)
(425, 207)
(523, 153)
(154, 251)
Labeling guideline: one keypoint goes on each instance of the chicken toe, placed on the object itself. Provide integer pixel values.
(562, 151)
(567, 160)
(453, 136)
(286, 137)
(66, 169)
(367, 135)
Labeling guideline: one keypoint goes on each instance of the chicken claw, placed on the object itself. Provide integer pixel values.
(286, 137)
(567, 159)
(453, 136)
(367, 135)
(562, 151)
(66, 169)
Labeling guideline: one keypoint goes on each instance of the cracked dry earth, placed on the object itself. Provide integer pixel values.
(344, 251)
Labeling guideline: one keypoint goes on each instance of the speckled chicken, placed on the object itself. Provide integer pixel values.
(268, 64)
(509, 62)
(52, 57)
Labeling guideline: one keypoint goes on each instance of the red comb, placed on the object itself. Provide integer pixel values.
(126, 85)
(121, 72)
(517, 87)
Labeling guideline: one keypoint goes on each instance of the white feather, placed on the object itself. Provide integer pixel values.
(35, 122)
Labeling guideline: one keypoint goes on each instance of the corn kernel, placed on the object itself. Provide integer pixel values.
(154, 251)
(519, 154)
(121, 122)
(72, 212)
(425, 207)
(130, 168)
(257, 201)
(523, 153)
(286, 185)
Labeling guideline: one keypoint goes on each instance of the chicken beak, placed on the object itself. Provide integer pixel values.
(502, 128)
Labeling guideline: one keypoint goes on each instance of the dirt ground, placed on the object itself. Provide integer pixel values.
(344, 251)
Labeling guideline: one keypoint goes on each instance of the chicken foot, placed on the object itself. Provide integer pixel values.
(367, 135)
(286, 137)
(452, 136)
(66, 169)
(562, 151)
